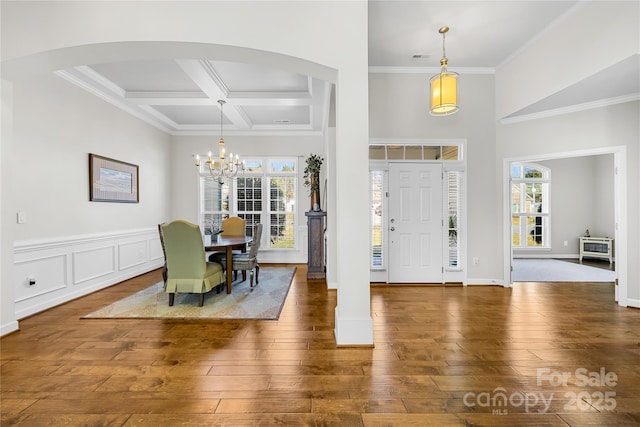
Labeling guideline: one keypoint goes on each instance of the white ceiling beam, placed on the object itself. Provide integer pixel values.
(203, 75)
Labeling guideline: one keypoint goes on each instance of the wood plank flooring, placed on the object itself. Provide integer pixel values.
(443, 356)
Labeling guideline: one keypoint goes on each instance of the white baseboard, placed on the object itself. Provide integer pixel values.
(353, 331)
(486, 282)
(9, 327)
(633, 302)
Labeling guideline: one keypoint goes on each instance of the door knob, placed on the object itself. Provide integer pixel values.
(393, 229)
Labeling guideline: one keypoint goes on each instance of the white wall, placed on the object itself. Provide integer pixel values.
(604, 219)
(398, 108)
(596, 35)
(8, 320)
(56, 126)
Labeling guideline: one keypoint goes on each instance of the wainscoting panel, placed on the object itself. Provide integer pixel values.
(91, 264)
(38, 276)
(132, 254)
(70, 267)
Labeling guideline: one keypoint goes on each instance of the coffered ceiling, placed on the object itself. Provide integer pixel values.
(179, 96)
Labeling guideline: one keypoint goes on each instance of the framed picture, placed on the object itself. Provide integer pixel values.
(112, 180)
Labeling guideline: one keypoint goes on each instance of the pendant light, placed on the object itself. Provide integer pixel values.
(444, 87)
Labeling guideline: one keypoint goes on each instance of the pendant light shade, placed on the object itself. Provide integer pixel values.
(444, 87)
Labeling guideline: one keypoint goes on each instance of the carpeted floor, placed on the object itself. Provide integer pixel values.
(553, 270)
(263, 301)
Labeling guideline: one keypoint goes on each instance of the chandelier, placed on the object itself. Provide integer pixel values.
(444, 87)
(222, 169)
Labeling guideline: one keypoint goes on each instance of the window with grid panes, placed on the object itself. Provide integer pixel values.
(529, 206)
(265, 193)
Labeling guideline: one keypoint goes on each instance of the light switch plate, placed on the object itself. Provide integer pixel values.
(22, 217)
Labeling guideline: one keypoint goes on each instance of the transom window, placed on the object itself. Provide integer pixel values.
(265, 193)
(530, 206)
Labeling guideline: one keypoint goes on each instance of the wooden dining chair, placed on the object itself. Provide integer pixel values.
(248, 261)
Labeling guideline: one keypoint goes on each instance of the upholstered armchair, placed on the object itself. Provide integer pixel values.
(231, 227)
(187, 269)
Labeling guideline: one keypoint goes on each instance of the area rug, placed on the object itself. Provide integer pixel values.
(263, 301)
(553, 270)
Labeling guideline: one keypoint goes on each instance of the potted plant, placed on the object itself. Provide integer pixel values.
(312, 179)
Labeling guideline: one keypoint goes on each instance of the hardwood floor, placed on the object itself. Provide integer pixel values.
(442, 357)
(592, 262)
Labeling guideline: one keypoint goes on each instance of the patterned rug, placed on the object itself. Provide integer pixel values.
(263, 301)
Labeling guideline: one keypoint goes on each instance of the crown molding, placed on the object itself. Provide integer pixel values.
(429, 70)
(571, 109)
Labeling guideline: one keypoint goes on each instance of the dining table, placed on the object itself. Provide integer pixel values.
(228, 244)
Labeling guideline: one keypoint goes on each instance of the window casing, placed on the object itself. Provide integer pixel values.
(265, 193)
(453, 190)
(530, 214)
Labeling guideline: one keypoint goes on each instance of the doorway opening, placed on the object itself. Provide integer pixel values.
(616, 179)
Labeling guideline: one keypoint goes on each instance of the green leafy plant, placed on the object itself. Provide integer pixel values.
(314, 163)
(453, 228)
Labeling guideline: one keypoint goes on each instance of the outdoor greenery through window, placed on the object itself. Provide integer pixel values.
(265, 193)
(529, 206)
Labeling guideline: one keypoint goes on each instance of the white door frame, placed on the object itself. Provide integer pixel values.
(620, 210)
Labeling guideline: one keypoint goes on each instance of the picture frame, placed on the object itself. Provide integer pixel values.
(112, 180)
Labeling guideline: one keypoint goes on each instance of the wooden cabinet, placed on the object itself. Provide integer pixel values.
(315, 227)
(596, 247)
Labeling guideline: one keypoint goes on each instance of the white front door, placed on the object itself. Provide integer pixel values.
(415, 223)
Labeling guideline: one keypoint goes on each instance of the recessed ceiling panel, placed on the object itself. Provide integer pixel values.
(192, 114)
(147, 76)
(239, 77)
(296, 115)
